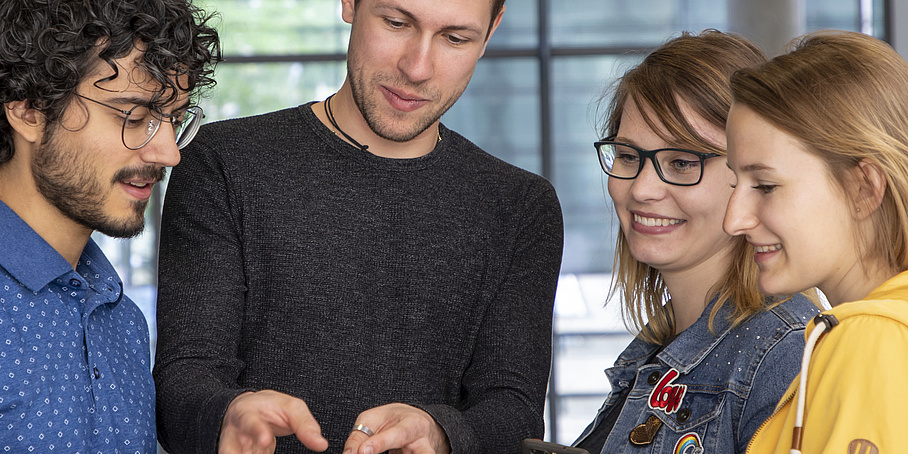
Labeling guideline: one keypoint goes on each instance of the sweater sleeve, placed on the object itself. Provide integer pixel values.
(201, 284)
(506, 381)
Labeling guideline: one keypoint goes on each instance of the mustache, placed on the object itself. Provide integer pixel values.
(149, 172)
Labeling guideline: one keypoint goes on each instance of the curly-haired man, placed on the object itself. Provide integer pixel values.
(85, 88)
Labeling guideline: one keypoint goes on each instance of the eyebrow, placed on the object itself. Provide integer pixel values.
(129, 100)
(140, 101)
(669, 146)
(415, 19)
(754, 167)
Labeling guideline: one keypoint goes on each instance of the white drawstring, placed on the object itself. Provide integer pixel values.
(828, 322)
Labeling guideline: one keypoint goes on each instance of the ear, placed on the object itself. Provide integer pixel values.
(348, 9)
(494, 27)
(871, 187)
(25, 120)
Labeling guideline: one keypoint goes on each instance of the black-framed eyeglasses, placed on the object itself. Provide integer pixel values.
(673, 165)
(142, 122)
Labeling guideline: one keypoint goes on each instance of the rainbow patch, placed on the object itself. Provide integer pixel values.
(689, 443)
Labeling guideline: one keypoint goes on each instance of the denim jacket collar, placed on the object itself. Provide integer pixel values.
(689, 348)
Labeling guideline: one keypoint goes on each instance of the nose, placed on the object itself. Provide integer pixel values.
(162, 148)
(417, 62)
(739, 217)
(648, 185)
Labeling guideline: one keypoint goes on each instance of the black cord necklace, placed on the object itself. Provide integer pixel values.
(330, 114)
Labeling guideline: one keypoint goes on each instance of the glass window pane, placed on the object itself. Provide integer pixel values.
(254, 88)
(605, 23)
(838, 14)
(878, 19)
(518, 26)
(269, 27)
(499, 111)
(589, 226)
(580, 379)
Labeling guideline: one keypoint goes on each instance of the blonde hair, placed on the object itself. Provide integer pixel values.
(844, 96)
(694, 69)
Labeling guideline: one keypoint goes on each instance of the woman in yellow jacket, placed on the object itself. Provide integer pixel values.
(818, 141)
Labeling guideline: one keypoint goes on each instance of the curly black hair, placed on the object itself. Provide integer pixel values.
(47, 47)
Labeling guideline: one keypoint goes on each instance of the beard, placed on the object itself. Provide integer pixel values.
(390, 128)
(64, 176)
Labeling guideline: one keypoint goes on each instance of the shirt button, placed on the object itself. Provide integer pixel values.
(653, 378)
(683, 414)
(75, 283)
(97, 373)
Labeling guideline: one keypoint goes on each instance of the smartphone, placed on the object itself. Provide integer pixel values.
(536, 446)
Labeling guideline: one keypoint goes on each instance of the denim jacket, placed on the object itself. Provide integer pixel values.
(705, 392)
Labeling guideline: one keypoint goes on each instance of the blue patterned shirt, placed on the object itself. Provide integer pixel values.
(74, 352)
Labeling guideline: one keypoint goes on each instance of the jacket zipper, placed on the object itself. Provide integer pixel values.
(779, 407)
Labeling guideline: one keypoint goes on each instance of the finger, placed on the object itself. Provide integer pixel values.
(377, 445)
(256, 439)
(306, 428)
(354, 441)
(400, 436)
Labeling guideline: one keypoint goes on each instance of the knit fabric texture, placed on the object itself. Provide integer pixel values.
(291, 260)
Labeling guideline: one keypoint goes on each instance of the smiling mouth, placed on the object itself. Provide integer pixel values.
(407, 97)
(138, 185)
(770, 248)
(655, 222)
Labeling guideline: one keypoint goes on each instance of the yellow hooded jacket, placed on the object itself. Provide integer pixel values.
(857, 382)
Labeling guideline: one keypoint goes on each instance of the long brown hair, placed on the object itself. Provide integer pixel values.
(844, 96)
(694, 69)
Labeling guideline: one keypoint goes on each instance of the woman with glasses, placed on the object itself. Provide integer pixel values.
(818, 141)
(712, 354)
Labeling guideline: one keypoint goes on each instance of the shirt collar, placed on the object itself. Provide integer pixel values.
(25, 255)
(31, 260)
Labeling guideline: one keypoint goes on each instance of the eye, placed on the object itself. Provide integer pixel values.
(394, 23)
(456, 40)
(627, 158)
(679, 162)
(138, 118)
(765, 188)
(176, 118)
(625, 155)
(684, 165)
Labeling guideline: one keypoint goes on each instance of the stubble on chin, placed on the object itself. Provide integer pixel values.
(390, 127)
(68, 181)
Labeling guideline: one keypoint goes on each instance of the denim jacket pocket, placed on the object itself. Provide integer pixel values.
(695, 423)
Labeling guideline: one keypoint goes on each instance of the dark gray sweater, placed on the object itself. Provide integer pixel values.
(293, 261)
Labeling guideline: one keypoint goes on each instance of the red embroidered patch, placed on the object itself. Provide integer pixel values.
(667, 396)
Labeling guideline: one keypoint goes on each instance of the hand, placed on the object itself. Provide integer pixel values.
(401, 428)
(254, 419)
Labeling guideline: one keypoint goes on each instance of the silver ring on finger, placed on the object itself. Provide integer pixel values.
(364, 430)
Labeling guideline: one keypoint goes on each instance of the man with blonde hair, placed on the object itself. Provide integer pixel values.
(355, 269)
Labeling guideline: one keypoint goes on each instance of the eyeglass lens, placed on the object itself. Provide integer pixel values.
(675, 166)
(142, 123)
(185, 129)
